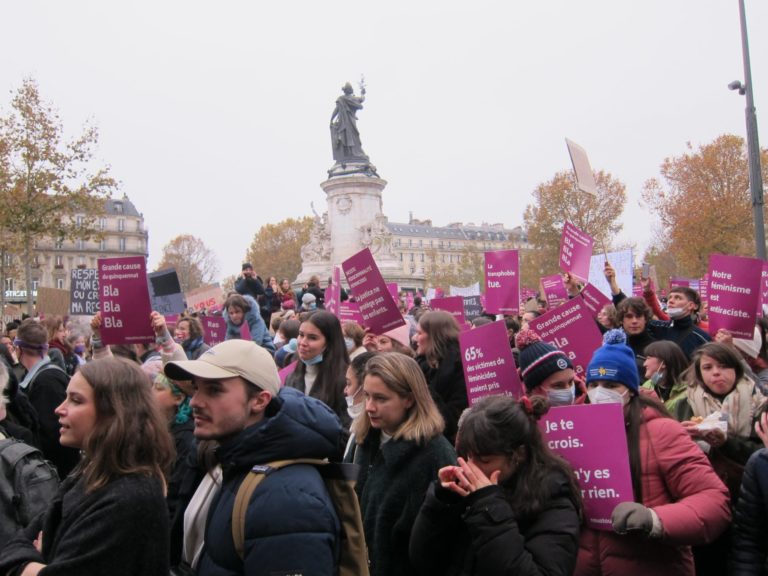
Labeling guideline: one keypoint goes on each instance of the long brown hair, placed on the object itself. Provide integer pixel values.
(130, 435)
(443, 332)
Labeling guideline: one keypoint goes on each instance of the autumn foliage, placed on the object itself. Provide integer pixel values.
(276, 248)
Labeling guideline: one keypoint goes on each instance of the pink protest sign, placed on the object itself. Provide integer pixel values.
(124, 298)
(594, 299)
(205, 297)
(571, 328)
(686, 282)
(502, 282)
(637, 291)
(554, 290)
(591, 438)
(333, 292)
(287, 371)
(394, 290)
(377, 307)
(734, 294)
(214, 329)
(575, 251)
(489, 367)
(349, 311)
(704, 288)
(454, 305)
(764, 288)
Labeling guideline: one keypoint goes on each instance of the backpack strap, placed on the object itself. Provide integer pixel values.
(246, 490)
(50, 366)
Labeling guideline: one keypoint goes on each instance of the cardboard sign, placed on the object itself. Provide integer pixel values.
(473, 290)
(554, 290)
(591, 438)
(585, 178)
(502, 282)
(473, 307)
(124, 301)
(454, 305)
(594, 299)
(734, 294)
(622, 263)
(489, 367)
(209, 297)
(84, 292)
(52, 301)
(575, 251)
(570, 328)
(214, 329)
(165, 292)
(379, 310)
(332, 295)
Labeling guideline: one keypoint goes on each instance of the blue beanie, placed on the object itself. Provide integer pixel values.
(614, 361)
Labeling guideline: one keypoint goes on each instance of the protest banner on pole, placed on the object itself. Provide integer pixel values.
(165, 292)
(84, 292)
(502, 282)
(209, 297)
(594, 299)
(454, 305)
(622, 262)
(734, 294)
(124, 301)
(592, 438)
(332, 296)
(52, 301)
(214, 329)
(378, 309)
(575, 251)
(554, 290)
(489, 367)
(572, 329)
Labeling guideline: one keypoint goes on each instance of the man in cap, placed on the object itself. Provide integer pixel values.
(248, 282)
(291, 526)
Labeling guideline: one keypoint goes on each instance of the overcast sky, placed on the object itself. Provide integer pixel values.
(214, 115)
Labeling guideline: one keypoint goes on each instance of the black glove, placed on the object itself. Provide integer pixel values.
(631, 517)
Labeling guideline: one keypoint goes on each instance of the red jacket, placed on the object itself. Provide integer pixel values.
(680, 486)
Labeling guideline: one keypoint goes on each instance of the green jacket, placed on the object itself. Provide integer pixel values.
(675, 395)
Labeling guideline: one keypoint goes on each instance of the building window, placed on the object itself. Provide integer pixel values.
(413, 269)
(411, 256)
(122, 244)
(35, 283)
(401, 256)
(60, 283)
(8, 258)
(102, 223)
(59, 243)
(102, 245)
(410, 243)
(9, 284)
(81, 261)
(421, 256)
(421, 243)
(80, 245)
(138, 225)
(119, 207)
(121, 225)
(59, 262)
(431, 243)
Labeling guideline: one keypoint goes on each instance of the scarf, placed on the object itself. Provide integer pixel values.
(739, 405)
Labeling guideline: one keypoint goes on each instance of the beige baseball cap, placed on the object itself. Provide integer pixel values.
(229, 359)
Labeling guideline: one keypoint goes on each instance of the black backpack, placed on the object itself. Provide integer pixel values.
(28, 483)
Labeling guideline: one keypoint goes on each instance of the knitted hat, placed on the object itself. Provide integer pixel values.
(538, 360)
(308, 299)
(614, 361)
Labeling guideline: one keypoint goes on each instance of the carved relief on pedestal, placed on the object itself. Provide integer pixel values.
(377, 237)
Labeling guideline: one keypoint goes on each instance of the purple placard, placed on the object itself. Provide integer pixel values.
(489, 367)
(594, 299)
(502, 282)
(764, 288)
(683, 282)
(575, 251)
(378, 309)
(454, 305)
(587, 436)
(124, 301)
(571, 328)
(554, 290)
(350, 311)
(394, 290)
(214, 329)
(734, 294)
(333, 292)
(637, 291)
(704, 288)
(287, 371)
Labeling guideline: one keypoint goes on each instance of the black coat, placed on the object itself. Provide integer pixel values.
(483, 535)
(448, 390)
(749, 550)
(120, 530)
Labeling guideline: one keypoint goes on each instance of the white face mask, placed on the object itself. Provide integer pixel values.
(561, 397)
(355, 410)
(675, 313)
(350, 344)
(600, 395)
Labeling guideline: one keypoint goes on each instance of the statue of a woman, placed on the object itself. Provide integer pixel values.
(345, 137)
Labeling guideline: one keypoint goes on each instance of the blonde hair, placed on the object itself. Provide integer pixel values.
(403, 376)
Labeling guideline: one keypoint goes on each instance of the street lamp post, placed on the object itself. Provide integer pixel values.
(753, 145)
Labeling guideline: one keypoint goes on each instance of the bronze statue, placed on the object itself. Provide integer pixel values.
(345, 137)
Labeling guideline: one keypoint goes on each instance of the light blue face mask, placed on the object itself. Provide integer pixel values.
(562, 397)
(657, 377)
(312, 361)
(350, 344)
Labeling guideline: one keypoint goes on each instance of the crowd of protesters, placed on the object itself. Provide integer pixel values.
(153, 443)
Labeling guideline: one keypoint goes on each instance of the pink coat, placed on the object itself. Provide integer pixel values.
(680, 486)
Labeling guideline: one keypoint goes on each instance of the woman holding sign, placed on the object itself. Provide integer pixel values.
(510, 507)
(678, 499)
